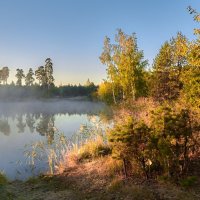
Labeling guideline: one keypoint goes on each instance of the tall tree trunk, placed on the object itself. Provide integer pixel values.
(113, 93)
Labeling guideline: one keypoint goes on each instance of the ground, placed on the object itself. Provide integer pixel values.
(91, 180)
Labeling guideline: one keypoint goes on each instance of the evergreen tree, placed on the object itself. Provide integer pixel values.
(41, 76)
(172, 138)
(167, 69)
(49, 72)
(5, 74)
(29, 79)
(191, 76)
(20, 75)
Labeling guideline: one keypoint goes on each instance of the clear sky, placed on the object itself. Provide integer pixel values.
(71, 32)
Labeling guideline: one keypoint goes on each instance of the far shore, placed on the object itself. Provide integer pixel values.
(48, 99)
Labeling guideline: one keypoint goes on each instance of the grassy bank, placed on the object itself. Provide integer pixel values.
(98, 178)
(90, 172)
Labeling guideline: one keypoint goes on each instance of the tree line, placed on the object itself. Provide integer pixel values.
(40, 83)
(44, 75)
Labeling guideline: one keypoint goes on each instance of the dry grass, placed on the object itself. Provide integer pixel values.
(97, 179)
(102, 177)
(92, 148)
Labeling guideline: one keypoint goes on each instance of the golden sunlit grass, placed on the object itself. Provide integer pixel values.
(90, 168)
(93, 149)
(93, 155)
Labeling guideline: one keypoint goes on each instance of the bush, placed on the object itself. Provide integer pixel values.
(129, 142)
(172, 139)
(104, 92)
(161, 146)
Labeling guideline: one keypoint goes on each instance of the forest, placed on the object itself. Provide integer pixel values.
(40, 84)
(157, 124)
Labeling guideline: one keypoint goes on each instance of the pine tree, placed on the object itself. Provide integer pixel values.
(49, 72)
(41, 76)
(167, 69)
(29, 79)
(191, 76)
(20, 75)
(5, 74)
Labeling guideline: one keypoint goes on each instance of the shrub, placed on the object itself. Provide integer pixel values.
(129, 142)
(172, 139)
(159, 147)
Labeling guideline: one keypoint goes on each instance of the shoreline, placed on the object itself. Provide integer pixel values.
(87, 181)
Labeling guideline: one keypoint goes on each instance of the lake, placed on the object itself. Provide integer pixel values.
(23, 123)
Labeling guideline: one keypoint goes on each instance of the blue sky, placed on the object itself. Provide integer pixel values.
(71, 32)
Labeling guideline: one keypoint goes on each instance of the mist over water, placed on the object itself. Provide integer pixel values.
(23, 123)
(50, 107)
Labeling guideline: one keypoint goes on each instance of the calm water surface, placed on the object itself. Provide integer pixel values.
(24, 123)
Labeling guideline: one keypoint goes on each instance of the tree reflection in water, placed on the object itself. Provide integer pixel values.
(39, 117)
(4, 127)
(44, 124)
(46, 127)
(30, 122)
(20, 124)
